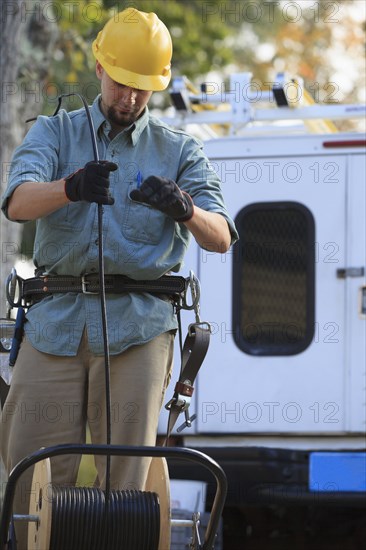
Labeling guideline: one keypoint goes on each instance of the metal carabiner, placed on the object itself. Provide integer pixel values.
(194, 286)
(13, 282)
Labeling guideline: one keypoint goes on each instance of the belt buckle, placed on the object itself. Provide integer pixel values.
(84, 285)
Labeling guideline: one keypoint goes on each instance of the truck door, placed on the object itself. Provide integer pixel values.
(276, 362)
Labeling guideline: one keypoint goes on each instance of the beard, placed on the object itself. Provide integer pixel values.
(121, 118)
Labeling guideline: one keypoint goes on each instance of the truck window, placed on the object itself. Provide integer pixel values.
(273, 279)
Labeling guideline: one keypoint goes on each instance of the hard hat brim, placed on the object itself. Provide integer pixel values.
(151, 83)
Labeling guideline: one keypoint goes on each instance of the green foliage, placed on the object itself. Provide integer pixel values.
(73, 66)
(263, 37)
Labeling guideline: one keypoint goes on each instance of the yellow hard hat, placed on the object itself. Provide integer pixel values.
(135, 49)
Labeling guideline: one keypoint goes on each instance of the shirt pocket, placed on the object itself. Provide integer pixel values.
(141, 222)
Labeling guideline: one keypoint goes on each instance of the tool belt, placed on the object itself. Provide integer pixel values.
(34, 289)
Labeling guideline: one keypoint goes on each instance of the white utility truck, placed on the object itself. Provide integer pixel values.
(281, 397)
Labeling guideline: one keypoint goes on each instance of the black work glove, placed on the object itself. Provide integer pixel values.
(91, 183)
(165, 195)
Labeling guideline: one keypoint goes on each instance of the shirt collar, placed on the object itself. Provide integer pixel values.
(101, 123)
(97, 115)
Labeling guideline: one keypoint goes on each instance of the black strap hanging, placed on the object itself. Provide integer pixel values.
(193, 353)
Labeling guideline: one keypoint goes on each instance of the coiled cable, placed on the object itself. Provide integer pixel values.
(79, 521)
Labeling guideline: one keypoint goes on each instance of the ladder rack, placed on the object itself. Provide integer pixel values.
(241, 108)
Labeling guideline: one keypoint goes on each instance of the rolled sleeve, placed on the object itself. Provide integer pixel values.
(198, 178)
(36, 159)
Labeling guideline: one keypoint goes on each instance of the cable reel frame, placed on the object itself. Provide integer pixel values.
(121, 450)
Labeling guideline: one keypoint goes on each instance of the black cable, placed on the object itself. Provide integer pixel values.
(78, 519)
(105, 344)
(102, 290)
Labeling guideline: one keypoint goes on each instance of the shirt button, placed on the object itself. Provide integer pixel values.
(96, 241)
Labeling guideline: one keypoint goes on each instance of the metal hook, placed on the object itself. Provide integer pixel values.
(194, 286)
(12, 282)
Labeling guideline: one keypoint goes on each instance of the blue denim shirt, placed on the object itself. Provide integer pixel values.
(139, 241)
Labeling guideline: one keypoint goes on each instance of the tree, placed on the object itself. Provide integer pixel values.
(27, 38)
(28, 33)
(308, 39)
(264, 37)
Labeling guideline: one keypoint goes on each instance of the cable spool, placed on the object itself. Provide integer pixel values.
(39, 533)
(80, 518)
(83, 520)
(158, 481)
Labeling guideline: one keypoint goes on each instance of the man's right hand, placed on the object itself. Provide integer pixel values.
(91, 183)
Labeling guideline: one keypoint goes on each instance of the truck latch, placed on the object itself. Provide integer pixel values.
(344, 272)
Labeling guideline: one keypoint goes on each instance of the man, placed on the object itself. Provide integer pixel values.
(157, 191)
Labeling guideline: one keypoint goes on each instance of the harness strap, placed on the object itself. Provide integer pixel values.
(193, 354)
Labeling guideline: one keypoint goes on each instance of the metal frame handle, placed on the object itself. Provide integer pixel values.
(121, 450)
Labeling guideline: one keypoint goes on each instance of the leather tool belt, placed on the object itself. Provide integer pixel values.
(34, 289)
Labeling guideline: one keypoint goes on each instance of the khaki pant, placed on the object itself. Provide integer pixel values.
(52, 398)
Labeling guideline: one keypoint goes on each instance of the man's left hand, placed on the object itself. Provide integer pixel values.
(165, 195)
